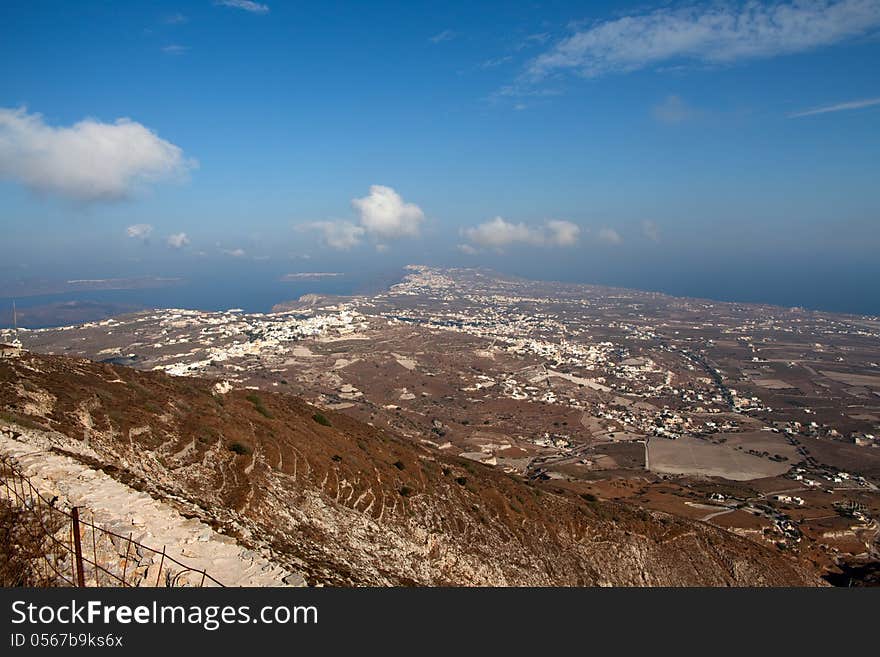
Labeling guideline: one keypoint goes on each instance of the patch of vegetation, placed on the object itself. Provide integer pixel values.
(115, 412)
(320, 418)
(589, 497)
(208, 435)
(140, 389)
(258, 404)
(399, 465)
(22, 548)
(405, 491)
(20, 420)
(240, 448)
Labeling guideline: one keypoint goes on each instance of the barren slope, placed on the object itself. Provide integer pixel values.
(352, 505)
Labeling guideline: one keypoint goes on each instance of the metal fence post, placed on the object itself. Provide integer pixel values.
(95, 550)
(125, 561)
(77, 548)
(161, 563)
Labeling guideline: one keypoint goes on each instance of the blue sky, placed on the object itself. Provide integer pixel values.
(723, 149)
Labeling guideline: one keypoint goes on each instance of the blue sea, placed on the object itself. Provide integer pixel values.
(254, 293)
(844, 286)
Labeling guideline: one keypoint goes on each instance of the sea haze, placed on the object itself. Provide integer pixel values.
(840, 286)
(832, 283)
(252, 292)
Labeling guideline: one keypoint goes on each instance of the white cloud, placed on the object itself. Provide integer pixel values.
(139, 231)
(672, 110)
(562, 233)
(234, 253)
(499, 233)
(88, 161)
(174, 49)
(385, 215)
(467, 249)
(651, 230)
(445, 35)
(246, 5)
(177, 240)
(712, 33)
(342, 235)
(839, 107)
(609, 236)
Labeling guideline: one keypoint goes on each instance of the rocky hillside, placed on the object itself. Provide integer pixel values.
(344, 503)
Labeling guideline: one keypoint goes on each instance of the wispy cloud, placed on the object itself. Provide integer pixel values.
(341, 235)
(246, 5)
(496, 61)
(445, 35)
(174, 49)
(175, 19)
(177, 240)
(839, 107)
(122, 156)
(539, 38)
(523, 91)
(711, 33)
(139, 231)
(651, 230)
(672, 110)
(609, 236)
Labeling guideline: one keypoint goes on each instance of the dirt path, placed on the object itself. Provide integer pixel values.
(124, 510)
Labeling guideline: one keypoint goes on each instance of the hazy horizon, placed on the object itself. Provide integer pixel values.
(717, 151)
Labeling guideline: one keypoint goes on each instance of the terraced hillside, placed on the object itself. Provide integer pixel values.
(344, 503)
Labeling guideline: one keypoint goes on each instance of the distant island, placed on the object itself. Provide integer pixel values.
(309, 275)
(39, 287)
